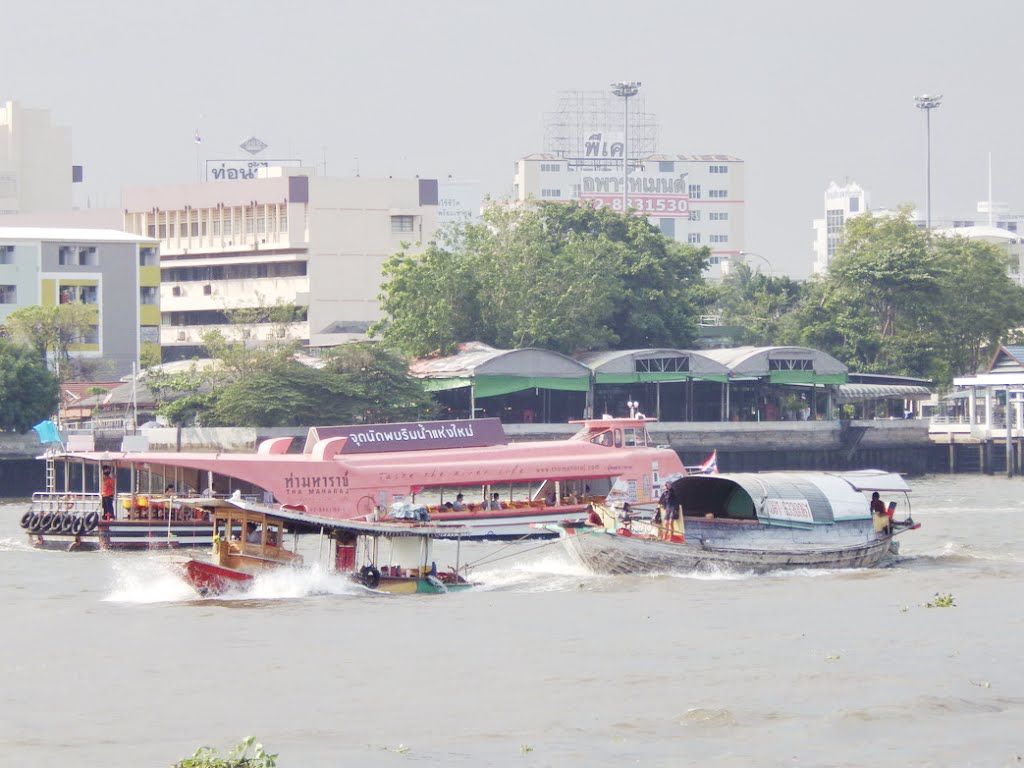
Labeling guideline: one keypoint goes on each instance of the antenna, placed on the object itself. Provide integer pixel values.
(355, 170)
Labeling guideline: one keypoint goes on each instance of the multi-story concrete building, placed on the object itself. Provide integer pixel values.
(842, 202)
(312, 243)
(696, 199)
(35, 161)
(115, 273)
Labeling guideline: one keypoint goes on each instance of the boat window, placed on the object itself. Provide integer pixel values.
(605, 438)
(618, 438)
(630, 436)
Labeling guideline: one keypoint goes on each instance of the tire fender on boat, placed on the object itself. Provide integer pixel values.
(92, 521)
(35, 523)
(78, 527)
(369, 576)
(45, 520)
(26, 520)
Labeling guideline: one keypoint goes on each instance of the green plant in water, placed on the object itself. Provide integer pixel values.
(238, 757)
(941, 601)
(525, 749)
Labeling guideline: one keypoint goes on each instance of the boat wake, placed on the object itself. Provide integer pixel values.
(153, 580)
(553, 572)
(16, 545)
(952, 552)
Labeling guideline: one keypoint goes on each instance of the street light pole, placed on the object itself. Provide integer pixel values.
(771, 270)
(928, 103)
(625, 90)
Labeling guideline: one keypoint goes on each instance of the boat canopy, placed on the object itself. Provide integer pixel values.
(785, 498)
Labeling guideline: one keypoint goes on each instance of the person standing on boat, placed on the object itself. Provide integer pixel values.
(107, 494)
(495, 503)
(880, 515)
(670, 504)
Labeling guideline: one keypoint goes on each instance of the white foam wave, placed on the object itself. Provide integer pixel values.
(284, 583)
(15, 545)
(148, 580)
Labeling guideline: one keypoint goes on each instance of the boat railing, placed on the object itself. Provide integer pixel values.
(59, 501)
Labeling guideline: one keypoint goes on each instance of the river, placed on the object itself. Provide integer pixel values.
(108, 660)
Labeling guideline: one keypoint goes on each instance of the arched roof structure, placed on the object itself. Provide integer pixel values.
(781, 365)
(501, 371)
(652, 365)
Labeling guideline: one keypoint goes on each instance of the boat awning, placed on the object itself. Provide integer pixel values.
(858, 393)
(786, 498)
(312, 522)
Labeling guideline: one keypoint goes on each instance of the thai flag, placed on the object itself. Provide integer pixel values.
(710, 465)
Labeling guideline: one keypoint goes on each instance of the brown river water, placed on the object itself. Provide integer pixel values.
(108, 660)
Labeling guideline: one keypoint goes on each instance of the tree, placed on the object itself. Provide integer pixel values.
(52, 329)
(561, 276)
(28, 392)
(380, 378)
(757, 303)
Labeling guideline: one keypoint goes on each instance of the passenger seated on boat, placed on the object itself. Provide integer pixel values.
(593, 518)
(494, 503)
(459, 505)
(254, 536)
(448, 507)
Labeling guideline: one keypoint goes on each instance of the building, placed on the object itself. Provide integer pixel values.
(696, 199)
(842, 203)
(310, 247)
(35, 161)
(117, 273)
(993, 223)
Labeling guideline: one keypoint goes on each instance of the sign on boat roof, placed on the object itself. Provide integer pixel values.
(412, 436)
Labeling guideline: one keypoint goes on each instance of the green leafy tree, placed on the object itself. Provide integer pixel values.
(28, 392)
(560, 276)
(757, 303)
(52, 330)
(380, 378)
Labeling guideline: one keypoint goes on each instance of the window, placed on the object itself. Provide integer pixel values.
(67, 256)
(854, 204)
(6, 254)
(718, 216)
(176, 291)
(668, 227)
(790, 364)
(718, 193)
(149, 257)
(694, 191)
(402, 224)
(719, 238)
(550, 168)
(284, 222)
(662, 364)
(693, 237)
(8, 294)
(694, 215)
(551, 193)
(713, 260)
(207, 290)
(91, 336)
(666, 166)
(718, 169)
(149, 294)
(833, 229)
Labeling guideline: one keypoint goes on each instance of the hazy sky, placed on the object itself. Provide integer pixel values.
(804, 92)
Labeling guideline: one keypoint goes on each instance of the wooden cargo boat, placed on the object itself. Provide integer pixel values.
(748, 522)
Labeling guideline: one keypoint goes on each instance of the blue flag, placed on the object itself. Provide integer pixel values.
(47, 432)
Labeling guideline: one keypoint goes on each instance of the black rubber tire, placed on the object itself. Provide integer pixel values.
(44, 521)
(56, 522)
(369, 576)
(78, 527)
(92, 522)
(68, 522)
(26, 520)
(33, 525)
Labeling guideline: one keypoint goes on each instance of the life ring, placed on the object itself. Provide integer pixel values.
(92, 521)
(33, 524)
(68, 523)
(26, 520)
(369, 576)
(78, 527)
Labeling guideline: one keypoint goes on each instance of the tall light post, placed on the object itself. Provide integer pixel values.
(771, 270)
(928, 103)
(625, 90)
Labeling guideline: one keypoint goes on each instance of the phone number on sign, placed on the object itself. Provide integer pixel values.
(659, 205)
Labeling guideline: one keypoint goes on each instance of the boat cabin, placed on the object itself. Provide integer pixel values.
(246, 541)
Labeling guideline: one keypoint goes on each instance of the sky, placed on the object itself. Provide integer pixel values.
(803, 92)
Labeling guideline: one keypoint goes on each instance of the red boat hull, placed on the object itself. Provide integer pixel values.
(210, 579)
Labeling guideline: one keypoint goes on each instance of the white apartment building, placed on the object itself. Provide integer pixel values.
(288, 237)
(842, 202)
(696, 199)
(35, 161)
